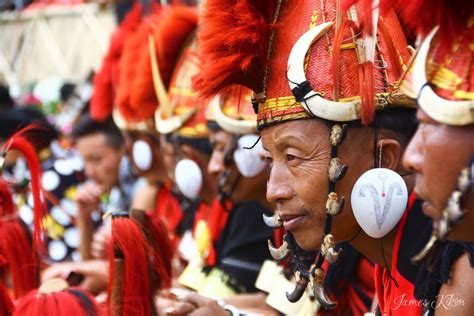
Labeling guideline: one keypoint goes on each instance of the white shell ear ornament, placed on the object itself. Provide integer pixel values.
(188, 177)
(379, 199)
(247, 156)
(142, 155)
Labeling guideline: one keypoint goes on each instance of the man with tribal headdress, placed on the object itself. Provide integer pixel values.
(441, 153)
(328, 107)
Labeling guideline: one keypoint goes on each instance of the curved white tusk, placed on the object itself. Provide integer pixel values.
(122, 124)
(171, 124)
(317, 105)
(322, 298)
(160, 89)
(272, 221)
(442, 110)
(239, 127)
(278, 253)
(425, 251)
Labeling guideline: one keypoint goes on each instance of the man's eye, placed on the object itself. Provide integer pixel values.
(268, 159)
(290, 157)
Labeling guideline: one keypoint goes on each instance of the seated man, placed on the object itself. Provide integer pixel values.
(110, 183)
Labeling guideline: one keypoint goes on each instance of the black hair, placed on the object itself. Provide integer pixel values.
(6, 101)
(202, 143)
(402, 121)
(66, 91)
(17, 118)
(213, 126)
(88, 126)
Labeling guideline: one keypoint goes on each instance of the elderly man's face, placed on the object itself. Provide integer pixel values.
(246, 188)
(299, 154)
(437, 153)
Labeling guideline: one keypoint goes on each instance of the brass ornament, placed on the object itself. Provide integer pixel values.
(338, 133)
(336, 170)
(334, 205)
(328, 249)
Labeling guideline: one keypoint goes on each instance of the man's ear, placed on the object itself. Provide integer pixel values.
(188, 152)
(389, 154)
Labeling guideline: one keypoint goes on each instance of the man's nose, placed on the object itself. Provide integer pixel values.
(413, 157)
(216, 164)
(278, 186)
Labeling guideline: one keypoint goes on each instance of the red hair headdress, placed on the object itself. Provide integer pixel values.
(16, 251)
(140, 263)
(22, 141)
(442, 78)
(55, 298)
(169, 30)
(236, 56)
(319, 61)
(105, 81)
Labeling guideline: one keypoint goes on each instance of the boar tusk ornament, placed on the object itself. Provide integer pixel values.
(279, 253)
(273, 221)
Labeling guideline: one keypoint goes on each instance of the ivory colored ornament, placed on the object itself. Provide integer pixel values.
(247, 157)
(378, 200)
(142, 155)
(188, 177)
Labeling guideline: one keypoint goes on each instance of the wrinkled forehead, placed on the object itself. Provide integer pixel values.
(295, 133)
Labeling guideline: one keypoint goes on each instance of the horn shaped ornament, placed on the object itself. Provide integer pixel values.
(334, 205)
(336, 170)
(328, 249)
(317, 284)
(160, 89)
(442, 110)
(273, 221)
(301, 284)
(312, 102)
(239, 127)
(279, 253)
(425, 251)
(165, 121)
(171, 124)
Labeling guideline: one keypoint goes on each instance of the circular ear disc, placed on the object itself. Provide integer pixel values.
(188, 177)
(378, 200)
(142, 155)
(247, 156)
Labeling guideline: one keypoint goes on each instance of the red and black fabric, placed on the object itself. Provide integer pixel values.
(242, 248)
(169, 211)
(350, 283)
(395, 289)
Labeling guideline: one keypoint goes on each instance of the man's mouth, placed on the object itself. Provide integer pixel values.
(291, 222)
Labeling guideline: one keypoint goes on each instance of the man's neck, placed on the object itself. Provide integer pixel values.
(379, 250)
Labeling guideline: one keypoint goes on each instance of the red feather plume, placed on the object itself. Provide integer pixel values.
(22, 141)
(105, 81)
(170, 29)
(233, 43)
(72, 301)
(162, 250)
(136, 288)
(422, 16)
(6, 304)
(15, 248)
